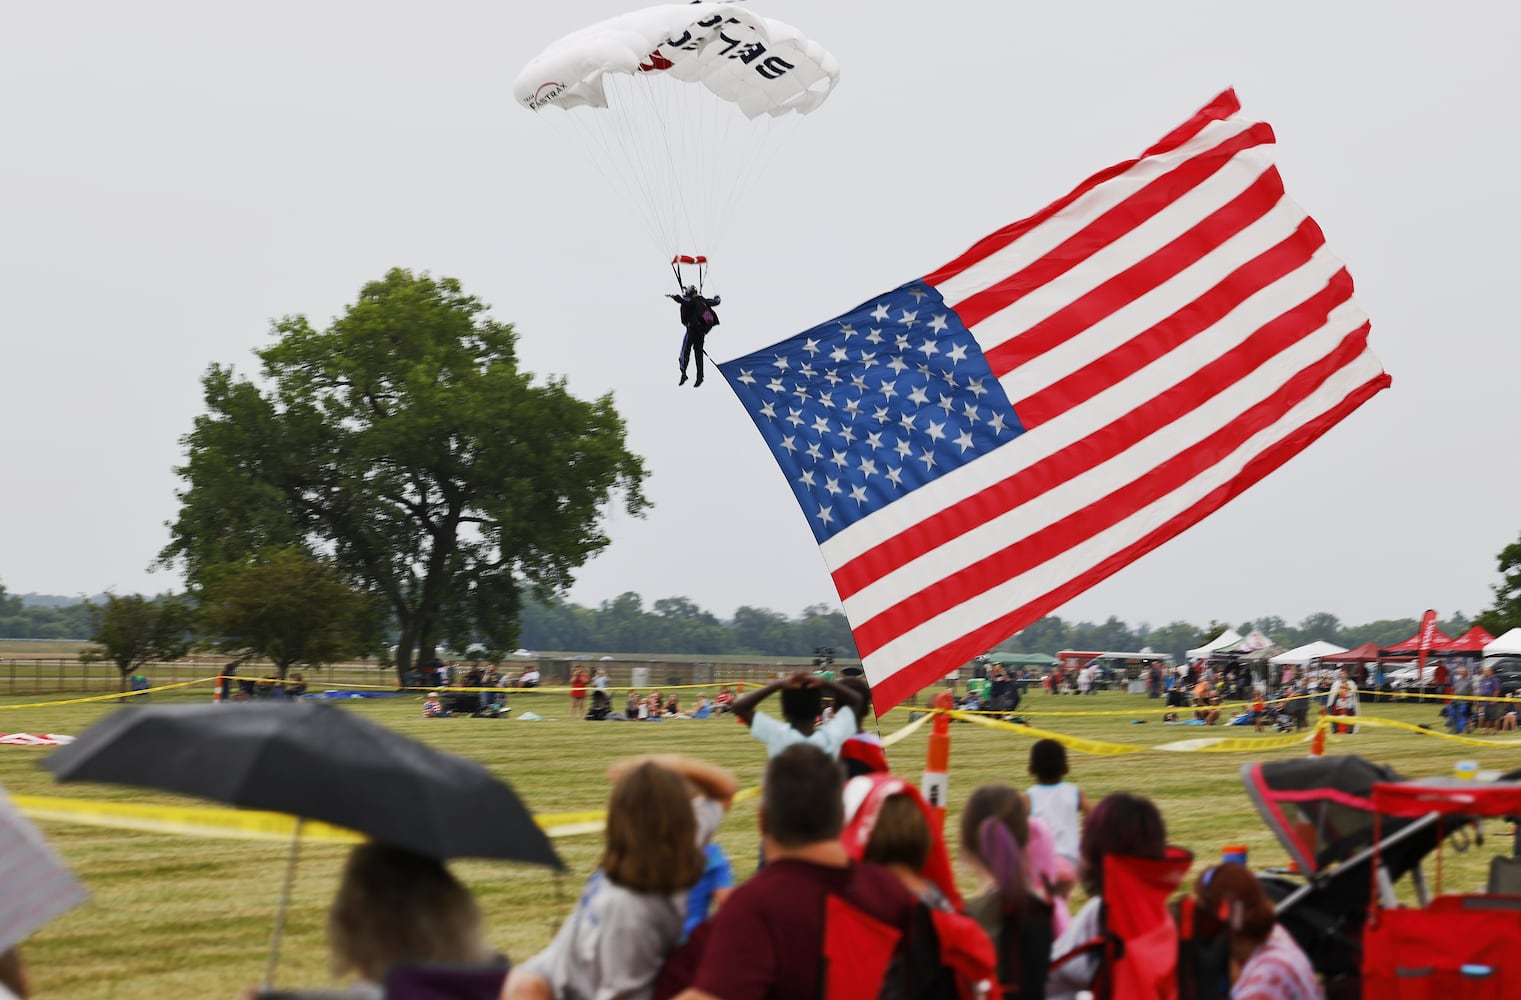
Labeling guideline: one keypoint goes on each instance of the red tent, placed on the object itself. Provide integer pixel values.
(1472, 641)
(1440, 642)
(1368, 652)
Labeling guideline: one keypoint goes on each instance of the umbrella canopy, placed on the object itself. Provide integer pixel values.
(315, 761)
(38, 886)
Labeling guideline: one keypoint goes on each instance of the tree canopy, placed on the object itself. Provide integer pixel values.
(404, 444)
(135, 630)
(1505, 613)
(285, 607)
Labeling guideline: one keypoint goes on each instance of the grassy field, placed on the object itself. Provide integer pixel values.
(173, 916)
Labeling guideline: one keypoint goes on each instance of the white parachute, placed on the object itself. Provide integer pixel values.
(680, 106)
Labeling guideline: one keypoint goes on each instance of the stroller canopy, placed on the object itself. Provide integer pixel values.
(1322, 811)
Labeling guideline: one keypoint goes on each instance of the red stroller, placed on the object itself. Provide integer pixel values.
(1457, 945)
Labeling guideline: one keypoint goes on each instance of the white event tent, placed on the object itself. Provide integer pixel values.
(1225, 640)
(1300, 655)
(1508, 644)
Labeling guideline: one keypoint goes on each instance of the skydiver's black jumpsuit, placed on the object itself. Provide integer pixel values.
(698, 317)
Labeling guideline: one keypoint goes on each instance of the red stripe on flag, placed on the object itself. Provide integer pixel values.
(1199, 315)
(1126, 500)
(1144, 420)
(1118, 221)
(1140, 278)
(1221, 108)
(909, 678)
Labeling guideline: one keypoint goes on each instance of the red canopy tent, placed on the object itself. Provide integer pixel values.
(1472, 641)
(1440, 642)
(1368, 652)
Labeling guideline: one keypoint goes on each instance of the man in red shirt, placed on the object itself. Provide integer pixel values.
(769, 939)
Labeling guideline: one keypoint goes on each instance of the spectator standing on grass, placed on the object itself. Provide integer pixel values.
(1054, 800)
(768, 939)
(662, 812)
(578, 683)
(802, 702)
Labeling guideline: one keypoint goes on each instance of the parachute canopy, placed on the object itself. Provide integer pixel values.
(681, 106)
(762, 66)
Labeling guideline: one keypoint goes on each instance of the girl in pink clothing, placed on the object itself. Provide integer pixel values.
(1266, 963)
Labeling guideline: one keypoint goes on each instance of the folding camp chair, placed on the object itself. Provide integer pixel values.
(1455, 946)
(1137, 947)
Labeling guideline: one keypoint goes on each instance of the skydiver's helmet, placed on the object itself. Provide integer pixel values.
(691, 289)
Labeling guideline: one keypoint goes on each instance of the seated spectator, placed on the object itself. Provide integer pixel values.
(768, 940)
(888, 823)
(1015, 905)
(1120, 824)
(661, 814)
(703, 708)
(1265, 962)
(295, 684)
(433, 708)
(530, 677)
(724, 700)
(632, 705)
(673, 708)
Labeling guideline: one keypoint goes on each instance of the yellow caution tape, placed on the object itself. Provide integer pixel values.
(199, 821)
(1078, 743)
(109, 697)
(1370, 720)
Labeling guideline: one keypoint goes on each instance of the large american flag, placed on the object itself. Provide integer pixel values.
(976, 447)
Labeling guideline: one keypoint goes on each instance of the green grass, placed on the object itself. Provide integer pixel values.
(174, 916)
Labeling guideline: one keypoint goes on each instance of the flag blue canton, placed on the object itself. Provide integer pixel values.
(868, 407)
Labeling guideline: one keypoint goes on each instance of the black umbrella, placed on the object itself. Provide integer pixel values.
(312, 761)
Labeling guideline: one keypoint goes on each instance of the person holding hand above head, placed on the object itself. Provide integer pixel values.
(663, 810)
(802, 703)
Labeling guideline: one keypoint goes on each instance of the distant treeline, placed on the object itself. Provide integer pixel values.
(679, 625)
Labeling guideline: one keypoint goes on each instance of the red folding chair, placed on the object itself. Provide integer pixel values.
(1137, 947)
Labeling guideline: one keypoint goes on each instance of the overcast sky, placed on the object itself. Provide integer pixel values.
(176, 175)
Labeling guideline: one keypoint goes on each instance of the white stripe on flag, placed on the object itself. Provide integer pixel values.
(1045, 509)
(976, 612)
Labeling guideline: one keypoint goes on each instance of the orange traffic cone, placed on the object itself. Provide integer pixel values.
(1318, 741)
(935, 785)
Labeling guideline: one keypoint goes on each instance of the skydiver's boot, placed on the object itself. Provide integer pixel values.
(684, 379)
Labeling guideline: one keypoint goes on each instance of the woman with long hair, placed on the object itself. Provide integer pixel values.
(662, 812)
(1014, 861)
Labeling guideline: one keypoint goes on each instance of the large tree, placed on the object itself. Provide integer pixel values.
(1505, 613)
(404, 443)
(134, 631)
(287, 607)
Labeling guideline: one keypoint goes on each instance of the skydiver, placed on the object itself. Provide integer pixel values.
(698, 317)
